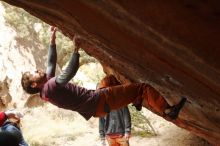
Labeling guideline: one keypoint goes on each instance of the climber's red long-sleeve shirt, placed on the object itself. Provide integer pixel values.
(3, 118)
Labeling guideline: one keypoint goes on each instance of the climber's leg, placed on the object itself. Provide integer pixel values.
(119, 96)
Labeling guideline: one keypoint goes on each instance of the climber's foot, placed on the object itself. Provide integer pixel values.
(138, 104)
(173, 111)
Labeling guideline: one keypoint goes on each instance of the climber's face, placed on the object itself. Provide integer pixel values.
(38, 76)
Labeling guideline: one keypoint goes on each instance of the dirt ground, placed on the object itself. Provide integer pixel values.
(46, 126)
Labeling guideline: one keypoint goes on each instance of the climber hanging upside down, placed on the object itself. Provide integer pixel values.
(97, 103)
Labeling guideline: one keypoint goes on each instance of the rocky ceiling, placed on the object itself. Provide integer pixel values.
(172, 45)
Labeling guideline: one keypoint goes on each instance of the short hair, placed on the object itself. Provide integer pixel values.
(108, 81)
(8, 139)
(26, 83)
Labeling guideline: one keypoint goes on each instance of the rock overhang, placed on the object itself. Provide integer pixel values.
(173, 46)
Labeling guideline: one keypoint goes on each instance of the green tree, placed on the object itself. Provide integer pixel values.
(32, 31)
(141, 126)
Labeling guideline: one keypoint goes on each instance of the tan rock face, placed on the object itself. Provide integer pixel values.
(34, 101)
(14, 60)
(5, 97)
(172, 45)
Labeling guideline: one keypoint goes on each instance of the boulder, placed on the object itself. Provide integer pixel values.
(171, 45)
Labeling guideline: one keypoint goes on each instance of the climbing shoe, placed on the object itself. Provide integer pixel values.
(174, 110)
(138, 104)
